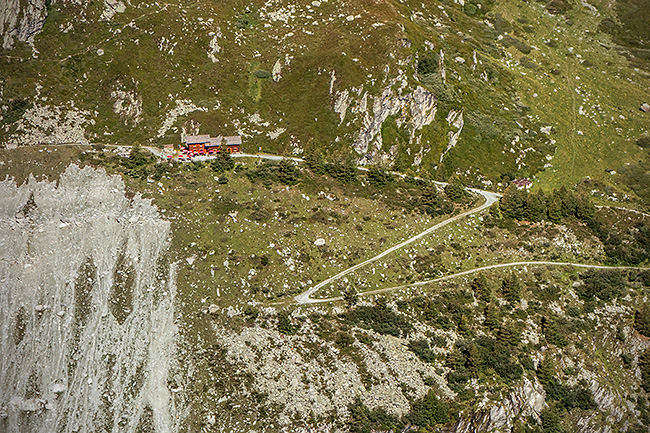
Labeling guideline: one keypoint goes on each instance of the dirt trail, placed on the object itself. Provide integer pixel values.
(475, 270)
(490, 199)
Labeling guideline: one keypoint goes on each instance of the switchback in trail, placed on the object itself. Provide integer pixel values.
(490, 199)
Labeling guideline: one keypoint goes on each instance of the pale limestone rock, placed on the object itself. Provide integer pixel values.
(45, 124)
(77, 230)
(183, 107)
(277, 71)
(455, 120)
(214, 47)
(128, 105)
(112, 7)
(341, 104)
(21, 20)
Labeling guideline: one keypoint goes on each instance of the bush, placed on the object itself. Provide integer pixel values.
(551, 420)
(487, 356)
(429, 411)
(642, 320)
(481, 288)
(567, 397)
(378, 178)
(380, 319)
(643, 142)
(432, 203)
(262, 74)
(428, 64)
(603, 284)
(552, 330)
(222, 162)
(455, 191)
(284, 324)
(511, 288)
(364, 420)
(284, 172)
(15, 110)
(644, 365)
(422, 350)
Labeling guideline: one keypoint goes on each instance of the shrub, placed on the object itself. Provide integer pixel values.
(378, 178)
(364, 420)
(643, 142)
(567, 397)
(642, 320)
(343, 340)
(222, 162)
(481, 288)
(380, 319)
(15, 110)
(552, 330)
(511, 288)
(432, 203)
(428, 64)
(429, 411)
(284, 172)
(644, 365)
(551, 420)
(284, 324)
(601, 283)
(262, 74)
(422, 350)
(455, 190)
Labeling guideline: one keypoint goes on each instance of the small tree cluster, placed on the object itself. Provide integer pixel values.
(539, 206)
(284, 172)
(222, 162)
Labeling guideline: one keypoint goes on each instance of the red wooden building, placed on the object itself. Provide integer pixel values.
(207, 144)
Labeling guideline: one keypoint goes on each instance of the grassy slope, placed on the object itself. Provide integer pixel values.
(497, 95)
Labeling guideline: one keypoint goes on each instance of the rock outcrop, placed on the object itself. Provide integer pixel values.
(128, 105)
(86, 314)
(20, 20)
(528, 399)
(46, 124)
(112, 7)
(414, 110)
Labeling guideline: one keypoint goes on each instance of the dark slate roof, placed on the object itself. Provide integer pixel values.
(197, 139)
(232, 140)
(215, 141)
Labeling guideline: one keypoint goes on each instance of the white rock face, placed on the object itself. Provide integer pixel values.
(112, 7)
(21, 20)
(526, 400)
(455, 120)
(182, 108)
(83, 312)
(280, 363)
(277, 71)
(319, 242)
(341, 104)
(415, 110)
(128, 105)
(214, 47)
(51, 125)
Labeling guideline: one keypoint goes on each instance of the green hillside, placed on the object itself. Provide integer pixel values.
(550, 91)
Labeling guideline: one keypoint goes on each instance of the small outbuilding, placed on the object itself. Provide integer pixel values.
(523, 183)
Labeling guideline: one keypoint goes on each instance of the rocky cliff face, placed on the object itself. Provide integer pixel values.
(86, 313)
(21, 20)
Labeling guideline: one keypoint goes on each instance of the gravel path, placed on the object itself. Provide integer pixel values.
(472, 271)
(490, 199)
